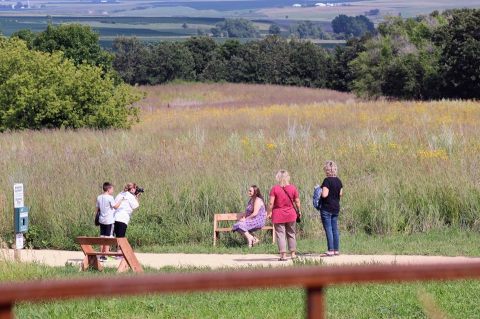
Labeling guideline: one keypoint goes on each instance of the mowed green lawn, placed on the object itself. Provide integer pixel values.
(418, 300)
(447, 242)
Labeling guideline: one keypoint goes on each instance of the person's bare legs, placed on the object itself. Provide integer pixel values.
(249, 238)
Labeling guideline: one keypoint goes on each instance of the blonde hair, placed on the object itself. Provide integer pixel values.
(282, 177)
(129, 186)
(330, 169)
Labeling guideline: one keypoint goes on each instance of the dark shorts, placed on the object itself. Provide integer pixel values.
(120, 229)
(106, 230)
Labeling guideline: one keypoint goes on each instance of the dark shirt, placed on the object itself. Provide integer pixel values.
(331, 203)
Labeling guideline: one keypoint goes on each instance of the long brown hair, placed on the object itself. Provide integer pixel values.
(256, 194)
(129, 186)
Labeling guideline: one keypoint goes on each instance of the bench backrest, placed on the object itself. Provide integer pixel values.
(229, 216)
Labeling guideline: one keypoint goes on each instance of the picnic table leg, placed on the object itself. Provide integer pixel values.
(123, 267)
(129, 259)
(95, 263)
(90, 260)
(85, 263)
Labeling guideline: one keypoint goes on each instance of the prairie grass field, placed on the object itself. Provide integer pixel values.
(417, 300)
(408, 167)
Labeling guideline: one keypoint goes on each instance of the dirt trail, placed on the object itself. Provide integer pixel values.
(60, 258)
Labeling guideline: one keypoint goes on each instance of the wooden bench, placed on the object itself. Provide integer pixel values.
(231, 217)
(129, 259)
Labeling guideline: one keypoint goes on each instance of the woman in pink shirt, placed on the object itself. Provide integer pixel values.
(281, 210)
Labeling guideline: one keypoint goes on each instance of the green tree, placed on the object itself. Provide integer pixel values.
(274, 29)
(341, 75)
(235, 28)
(273, 60)
(229, 49)
(131, 58)
(459, 40)
(352, 26)
(169, 61)
(78, 43)
(26, 35)
(369, 65)
(401, 61)
(306, 29)
(42, 90)
(202, 50)
(308, 65)
(215, 69)
(244, 65)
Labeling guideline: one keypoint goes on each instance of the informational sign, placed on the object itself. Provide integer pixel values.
(18, 196)
(19, 242)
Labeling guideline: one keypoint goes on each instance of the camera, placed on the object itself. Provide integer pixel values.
(139, 190)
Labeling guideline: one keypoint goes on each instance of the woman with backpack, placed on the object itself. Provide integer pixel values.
(284, 209)
(330, 193)
(253, 218)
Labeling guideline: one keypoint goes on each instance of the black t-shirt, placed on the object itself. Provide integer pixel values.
(331, 203)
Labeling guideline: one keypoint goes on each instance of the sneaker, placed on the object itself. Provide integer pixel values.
(102, 258)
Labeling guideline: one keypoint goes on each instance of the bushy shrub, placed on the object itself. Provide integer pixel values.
(42, 90)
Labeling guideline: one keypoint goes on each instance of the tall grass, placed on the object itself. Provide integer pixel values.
(406, 166)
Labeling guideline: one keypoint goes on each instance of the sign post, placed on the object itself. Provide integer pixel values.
(20, 219)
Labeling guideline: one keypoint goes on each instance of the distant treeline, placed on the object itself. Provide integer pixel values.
(272, 60)
(427, 57)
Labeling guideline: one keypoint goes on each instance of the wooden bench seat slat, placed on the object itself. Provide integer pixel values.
(97, 240)
(230, 228)
(231, 217)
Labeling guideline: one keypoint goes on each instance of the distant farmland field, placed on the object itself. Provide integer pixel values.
(149, 29)
(405, 8)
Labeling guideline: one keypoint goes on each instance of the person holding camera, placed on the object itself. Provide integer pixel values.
(128, 200)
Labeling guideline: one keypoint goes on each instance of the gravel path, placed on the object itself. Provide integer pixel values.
(60, 258)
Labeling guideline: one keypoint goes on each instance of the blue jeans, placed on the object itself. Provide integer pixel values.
(329, 222)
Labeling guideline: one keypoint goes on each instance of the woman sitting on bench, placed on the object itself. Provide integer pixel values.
(254, 216)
